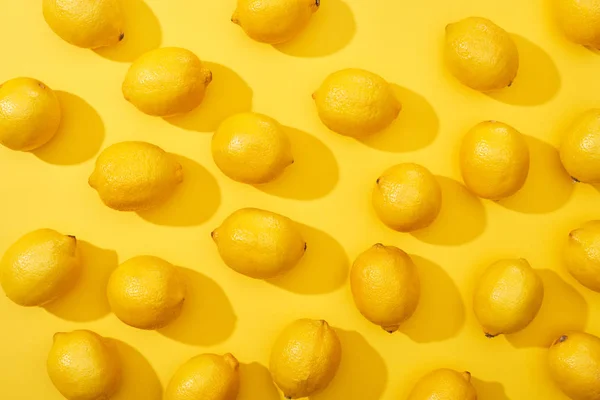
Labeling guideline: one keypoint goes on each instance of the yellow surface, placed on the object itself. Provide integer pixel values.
(328, 189)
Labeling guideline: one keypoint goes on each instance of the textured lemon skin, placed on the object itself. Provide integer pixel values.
(206, 377)
(83, 366)
(305, 358)
(40, 267)
(258, 243)
(385, 286)
(580, 21)
(582, 255)
(580, 148)
(574, 364)
(507, 297)
(444, 384)
(135, 176)
(166, 82)
(494, 160)
(274, 21)
(251, 148)
(407, 197)
(146, 292)
(480, 54)
(85, 23)
(29, 114)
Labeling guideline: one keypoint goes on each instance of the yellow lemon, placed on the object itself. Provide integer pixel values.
(480, 54)
(29, 114)
(166, 82)
(146, 292)
(582, 255)
(274, 21)
(445, 384)
(574, 362)
(385, 286)
(135, 176)
(206, 377)
(580, 148)
(83, 366)
(507, 297)
(258, 243)
(305, 358)
(251, 148)
(494, 160)
(86, 23)
(40, 267)
(407, 197)
(580, 21)
(356, 103)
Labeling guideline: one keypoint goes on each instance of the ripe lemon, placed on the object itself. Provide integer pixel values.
(580, 21)
(444, 384)
(580, 148)
(582, 255)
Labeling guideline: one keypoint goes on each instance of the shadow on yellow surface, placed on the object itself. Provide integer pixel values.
(207, 317)
(362, 373)
(195, 200)
(256, 383)
(79, 136)
(226, 95)
(139, 380)
(461, 219)
(537, 81)
(87, 300)
(489, 390)
(416, 127)
(564, 309)
(142, 33)
(330, 29)
(313, 174)
(440, 314)
(322, 269)
(548, 186)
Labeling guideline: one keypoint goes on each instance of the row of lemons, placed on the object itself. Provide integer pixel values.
(148, 292)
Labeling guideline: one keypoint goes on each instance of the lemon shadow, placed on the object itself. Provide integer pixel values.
(226, 95)
(79, 136)
(440, 314)
(207, 317)
(313, 174)
(489, 390)
(195, 200)
(256, 383)
(139, 380)
(362, 373)
(416, 127)
(87, 301)
(322, 269)
(461, 220)
(330, 29)
(142, 33)
(563, 309)
(548, 186)
(537, 80)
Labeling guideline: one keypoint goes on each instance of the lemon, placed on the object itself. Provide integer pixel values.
(166, 82)
(580, 148)
(494, 160)
(580, 21)
(135, 176)
(86, 23)
(40, 267)
(507, 297)
(29, 114)
(258, 243)
(480, 54)
(385, 286)
(146, 292)
(407, 197)
(305, 358)
(445, 384)
(574, 362)
(582, 255)
(206, 377)
(274, 21)
(356, 103)
(83, 366)
(251, 148)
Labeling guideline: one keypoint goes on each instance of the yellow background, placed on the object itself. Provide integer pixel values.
(327, 190)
